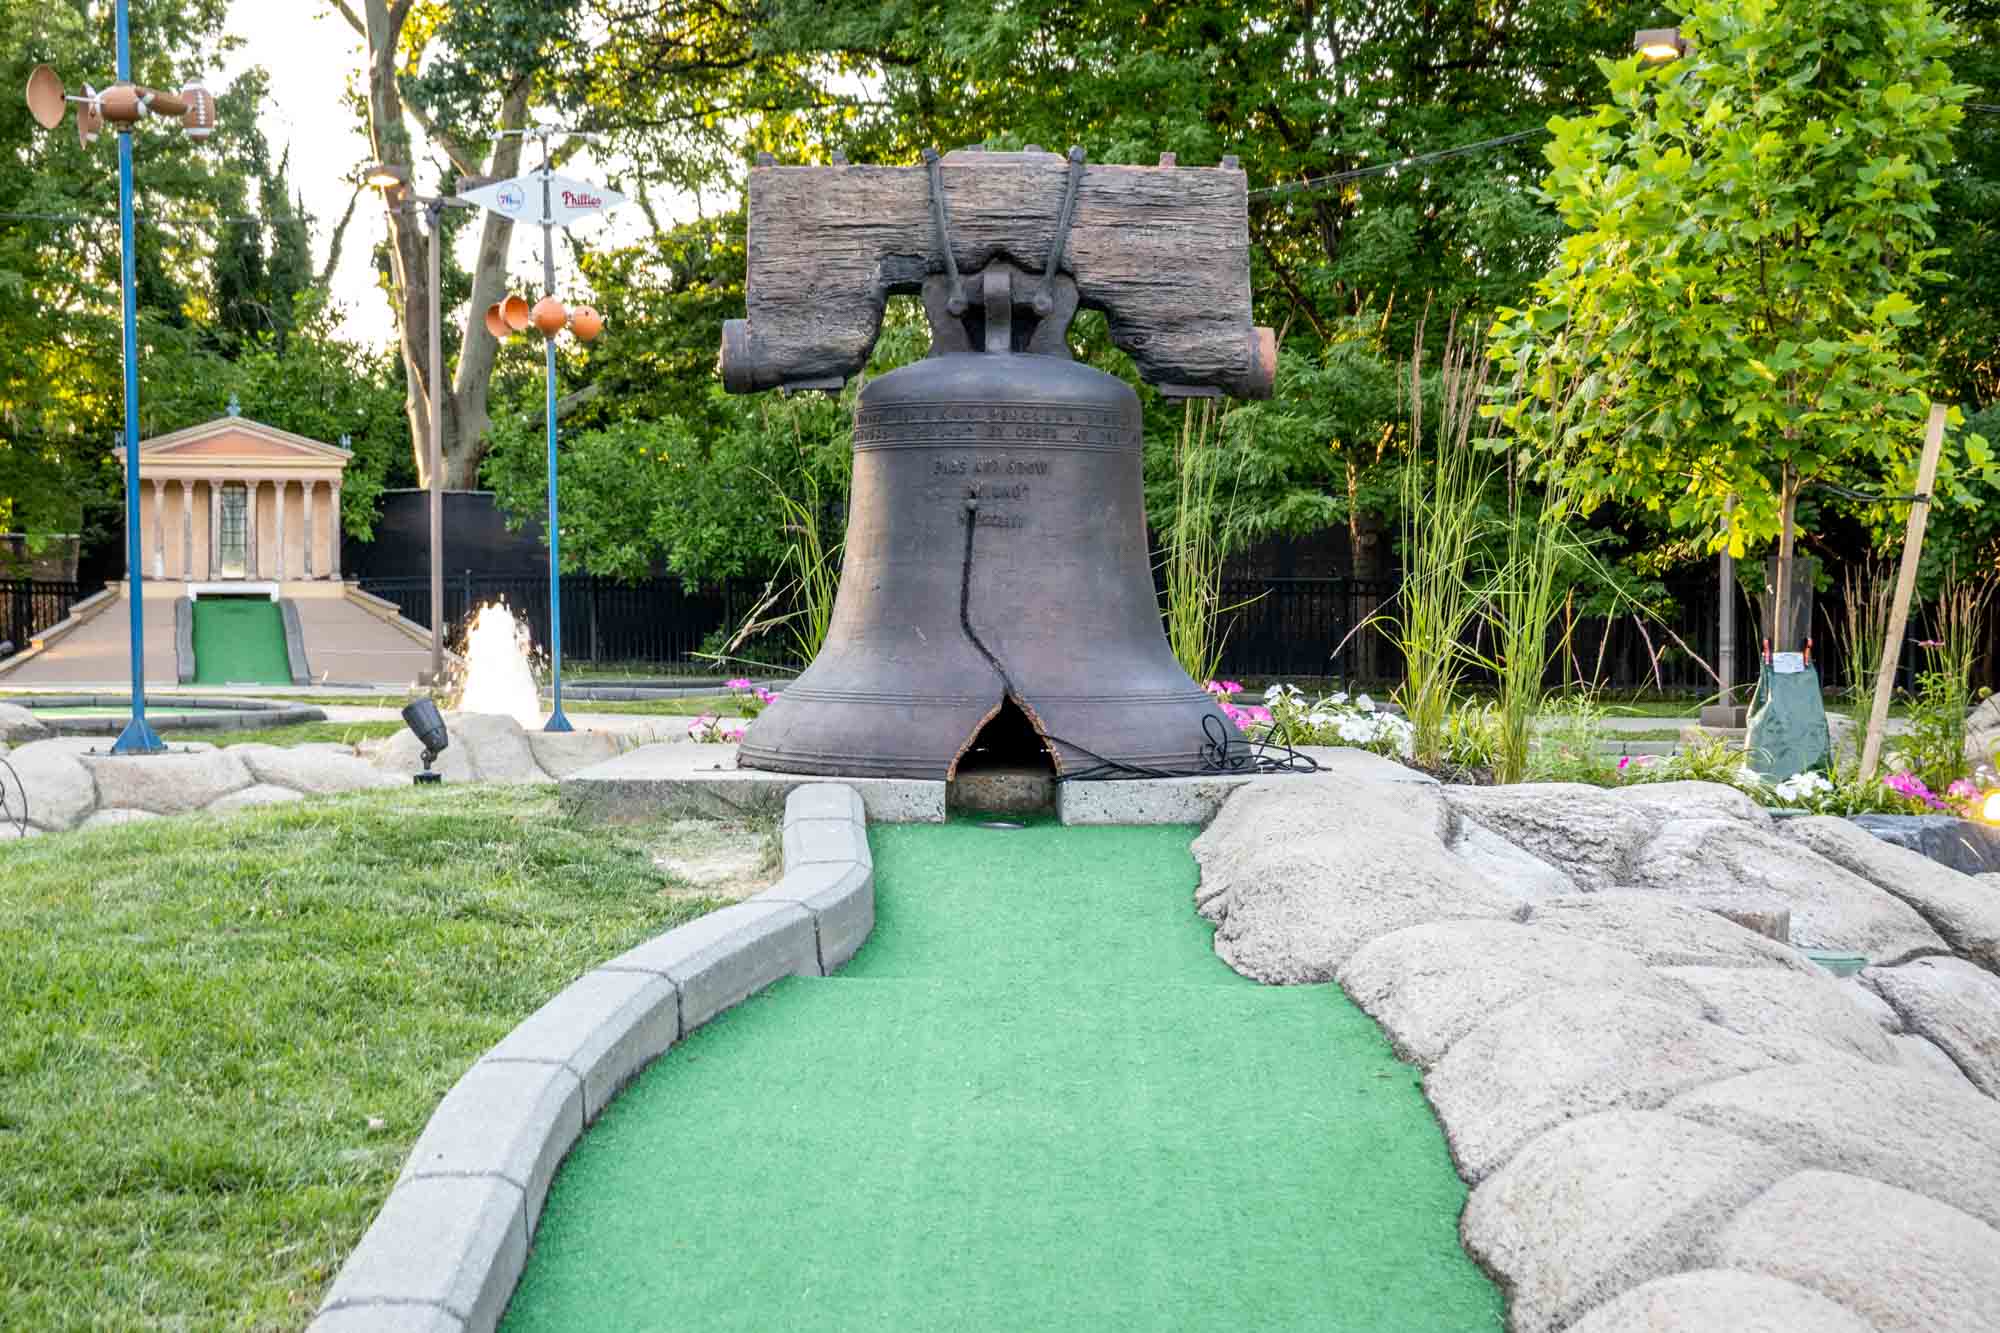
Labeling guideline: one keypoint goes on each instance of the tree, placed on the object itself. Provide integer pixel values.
(1752, 227)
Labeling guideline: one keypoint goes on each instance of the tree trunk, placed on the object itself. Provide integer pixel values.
(1788, 498)
(465, 415)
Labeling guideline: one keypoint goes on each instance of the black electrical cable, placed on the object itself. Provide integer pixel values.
(1219, 753)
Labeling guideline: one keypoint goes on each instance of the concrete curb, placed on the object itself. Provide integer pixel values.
(449, 1243)
(184, 669)
(295, 642)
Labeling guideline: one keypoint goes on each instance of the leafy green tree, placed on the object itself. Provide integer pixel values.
(1752, 227)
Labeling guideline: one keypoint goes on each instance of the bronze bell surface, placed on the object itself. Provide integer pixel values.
(996, 601)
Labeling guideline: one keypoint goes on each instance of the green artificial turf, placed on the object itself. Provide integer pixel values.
(1034, 1100)
(239, 641)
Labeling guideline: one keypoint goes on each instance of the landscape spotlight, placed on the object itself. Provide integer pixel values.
(1657, 46)
(424, 720)
(385, 175)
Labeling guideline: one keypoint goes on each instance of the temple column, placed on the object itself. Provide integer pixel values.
(278, 544)
(187, 529)
(333, 531)
(306, 520)
(252, 562)
(159, 529)
(214, 530)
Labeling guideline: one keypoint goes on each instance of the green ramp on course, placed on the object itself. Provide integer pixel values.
(239, 641)
(1034, 1100)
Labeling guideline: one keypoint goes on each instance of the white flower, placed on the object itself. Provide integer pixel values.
(1320, 720)
(1275, 693)
(1364, 703)
(1749, 776)
(1357, 730)
(1338, 698)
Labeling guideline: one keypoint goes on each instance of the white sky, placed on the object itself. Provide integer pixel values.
(312, 55)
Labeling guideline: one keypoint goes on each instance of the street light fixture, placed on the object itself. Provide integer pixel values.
(393, 180)
(124, 104)
(1658, 46)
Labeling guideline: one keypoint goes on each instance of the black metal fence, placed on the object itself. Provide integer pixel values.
(603, 620)
(1278, 628)
(29, 606)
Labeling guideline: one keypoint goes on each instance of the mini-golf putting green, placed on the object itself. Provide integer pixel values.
(239, 641)
(1034, 1100)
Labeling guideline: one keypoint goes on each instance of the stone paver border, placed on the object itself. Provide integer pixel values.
(226, 714)
(450, 1242)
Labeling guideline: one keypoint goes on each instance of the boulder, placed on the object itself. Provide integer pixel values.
(1919, 1055)
(1904, 1263)
(1713, 1299)
(167, 784)
(1952, 1003)
(1505, 866)
(1982, 733)
(1957, 906)
(1787, 1009)
(1663, 933)
(311, 772)
(560, 754)
(251, 797)
(1868, 1002)
(1720, 861)
(1910, 1130)
(1580, 830)
(113, 818)
(1298, 874)
(1957, 844)
(18, 725)
(485, 747)
(1430, 985)
(1563, 1054)
(1690, 800)
(1605, 1203)
(57, 786)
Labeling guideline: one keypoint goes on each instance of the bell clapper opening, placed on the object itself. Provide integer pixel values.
(1006, 766)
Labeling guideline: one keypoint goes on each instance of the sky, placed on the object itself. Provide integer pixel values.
(312, 56)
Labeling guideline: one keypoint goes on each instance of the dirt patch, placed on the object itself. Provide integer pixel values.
(714, 858)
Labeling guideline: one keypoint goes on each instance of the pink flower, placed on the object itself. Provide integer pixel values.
(1214, 687)
(1963, 788)
(1624, 762)
(733, 734)
(740, 683)
(765, 696)
(1233, 686)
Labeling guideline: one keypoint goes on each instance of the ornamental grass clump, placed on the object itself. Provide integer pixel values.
(1443, 522)
(1197, 543)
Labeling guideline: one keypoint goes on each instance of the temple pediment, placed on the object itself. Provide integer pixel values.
(229, 443)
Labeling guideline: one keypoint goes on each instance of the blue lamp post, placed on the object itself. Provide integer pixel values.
(124, 104)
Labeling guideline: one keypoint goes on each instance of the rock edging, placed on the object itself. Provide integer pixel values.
(449, 1243)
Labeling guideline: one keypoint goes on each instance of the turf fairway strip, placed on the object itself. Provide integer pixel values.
(239, 641)
(1034, 1100)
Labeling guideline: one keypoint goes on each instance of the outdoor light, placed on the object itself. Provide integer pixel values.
(1990, 809)
(427, 724)
(1657, 46)
(385, 175)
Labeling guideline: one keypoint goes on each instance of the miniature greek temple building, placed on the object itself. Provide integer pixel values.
(234, 500)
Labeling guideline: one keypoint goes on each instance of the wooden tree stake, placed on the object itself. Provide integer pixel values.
(1906, 579)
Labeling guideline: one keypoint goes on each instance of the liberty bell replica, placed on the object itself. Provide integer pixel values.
(996, 600)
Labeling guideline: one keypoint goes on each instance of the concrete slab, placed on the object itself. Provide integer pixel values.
(682, 779)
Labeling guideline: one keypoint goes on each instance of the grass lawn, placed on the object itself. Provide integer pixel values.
(296, 733)
(220, 1037)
